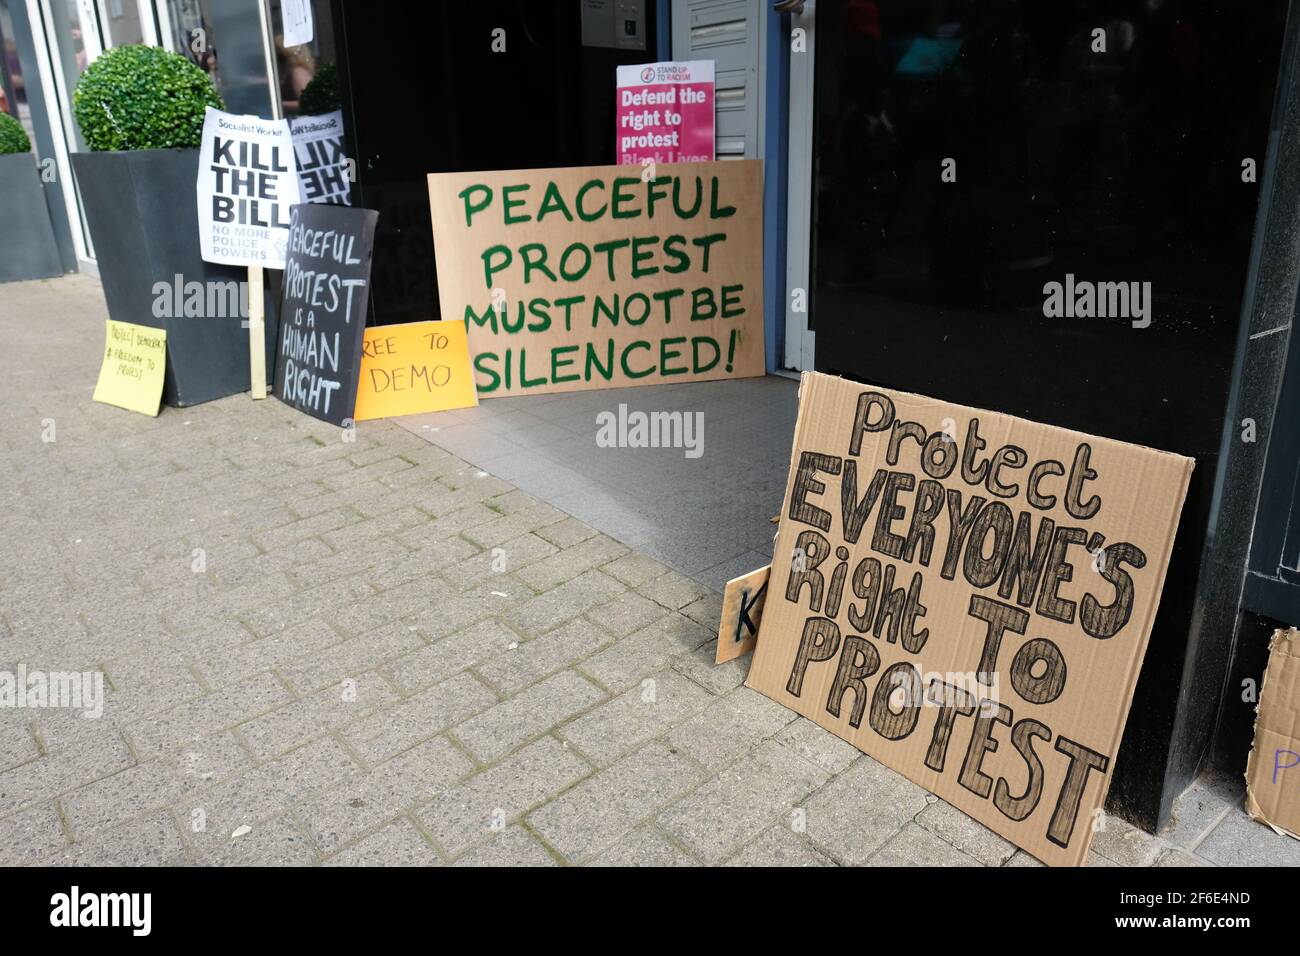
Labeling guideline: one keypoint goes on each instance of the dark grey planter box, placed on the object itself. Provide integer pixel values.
(27, 247)
(143, 220)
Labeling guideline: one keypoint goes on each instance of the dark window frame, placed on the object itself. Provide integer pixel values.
(1272, 586)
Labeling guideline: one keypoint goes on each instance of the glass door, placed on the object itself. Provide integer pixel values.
(126, 22)
(68, 38)
(800, 337)
(13, 88)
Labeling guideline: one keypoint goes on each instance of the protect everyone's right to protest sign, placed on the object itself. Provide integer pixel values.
(967, 597)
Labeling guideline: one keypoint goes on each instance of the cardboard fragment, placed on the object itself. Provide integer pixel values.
(742, 614)
(1273, 769)
(967, 596)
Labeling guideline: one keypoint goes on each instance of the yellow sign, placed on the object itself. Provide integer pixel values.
(413, 368)
(132, 374)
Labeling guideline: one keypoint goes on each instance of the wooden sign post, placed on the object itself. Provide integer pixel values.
(256, 333)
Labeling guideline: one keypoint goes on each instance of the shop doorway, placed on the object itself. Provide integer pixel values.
(68, 35)
(951, 158)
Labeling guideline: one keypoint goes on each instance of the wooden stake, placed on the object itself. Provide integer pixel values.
(256, 333)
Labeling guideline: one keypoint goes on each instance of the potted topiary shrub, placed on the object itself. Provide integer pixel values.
(27, 247)
(321, 95)
(140, 110)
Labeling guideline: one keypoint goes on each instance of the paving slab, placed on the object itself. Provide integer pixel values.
(473, 638)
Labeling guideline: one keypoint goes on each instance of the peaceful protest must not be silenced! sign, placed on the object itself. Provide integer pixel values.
(248, 181)
(323, 316)
(967, 597)
(597, 277)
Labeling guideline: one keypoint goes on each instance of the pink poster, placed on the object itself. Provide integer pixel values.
(665, 113)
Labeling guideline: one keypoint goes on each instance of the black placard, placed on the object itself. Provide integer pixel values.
(323, 318)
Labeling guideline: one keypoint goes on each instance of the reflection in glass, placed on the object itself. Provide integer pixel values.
(13, 89)
(193, 35)
(298, 66)
(124, 26)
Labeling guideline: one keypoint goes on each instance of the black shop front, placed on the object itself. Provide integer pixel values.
(1082, 213)
(1076, 213)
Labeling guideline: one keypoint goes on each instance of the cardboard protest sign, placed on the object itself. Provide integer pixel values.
(131, 376)
(323, 318)
(665, 113)
(742, 613)
(299, 27)
(323, 168)
(967, 597)
(246, 186)
(591, 277)
(413, 368)
(1273, 770)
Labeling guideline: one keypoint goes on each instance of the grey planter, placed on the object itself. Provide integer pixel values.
(27, 247)
(143, 220)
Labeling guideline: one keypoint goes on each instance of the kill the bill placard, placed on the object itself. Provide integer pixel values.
(603, 276)
(247, 183)
(967, 597)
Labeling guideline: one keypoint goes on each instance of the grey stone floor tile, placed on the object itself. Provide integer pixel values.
(779, 846)
(818, 745)
(1124, 844)
(1240, 841)
(354, 663)
(597, 813)
(275, 842)
(472, 811)
(644, 847)
(861, 810)
(30, 835)
(512, 847)
(530, 713)
(744, 799)
(972, 838)
(152, 840)
(397, 844)
(337, 816)
(917, 846)
(623, 724)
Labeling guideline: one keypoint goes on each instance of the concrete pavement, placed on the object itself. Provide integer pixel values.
(375, 652)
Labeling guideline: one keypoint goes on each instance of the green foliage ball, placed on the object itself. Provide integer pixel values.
(13, 138)
(143, 97)
(321, 95)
